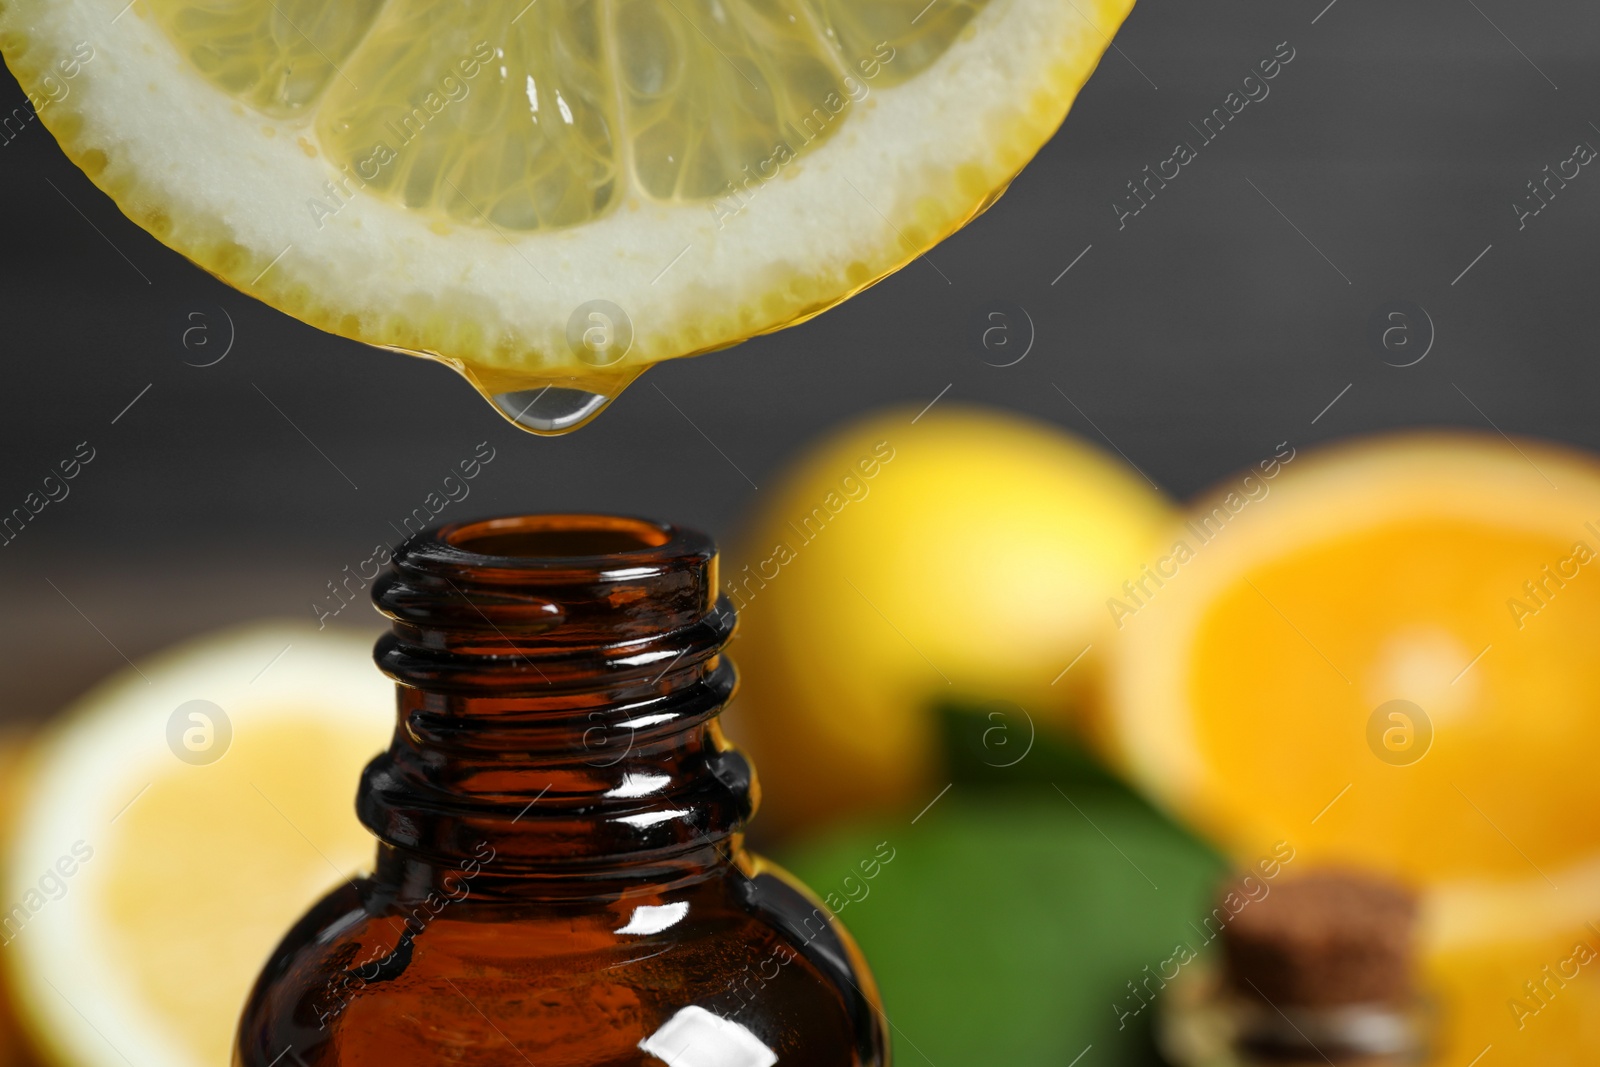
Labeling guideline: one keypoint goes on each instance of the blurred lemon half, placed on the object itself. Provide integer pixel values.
(176, 822)
(556, 193)
(962, 555)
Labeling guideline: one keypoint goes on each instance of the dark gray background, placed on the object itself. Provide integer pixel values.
(1223, 319)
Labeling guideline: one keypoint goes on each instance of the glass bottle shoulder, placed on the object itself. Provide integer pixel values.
(737, 969)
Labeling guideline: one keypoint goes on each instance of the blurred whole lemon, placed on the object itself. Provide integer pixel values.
(961, 555)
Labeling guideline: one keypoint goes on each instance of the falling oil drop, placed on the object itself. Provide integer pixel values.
(550, 409)
(540, 404)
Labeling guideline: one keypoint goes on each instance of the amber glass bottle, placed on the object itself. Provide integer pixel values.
(561, 879)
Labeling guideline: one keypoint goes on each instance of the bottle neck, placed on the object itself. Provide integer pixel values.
(559, 682)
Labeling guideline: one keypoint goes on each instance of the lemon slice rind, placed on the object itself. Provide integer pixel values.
(230, 188)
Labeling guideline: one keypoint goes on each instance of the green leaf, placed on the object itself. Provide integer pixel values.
(1012, 918)
(1002, 744)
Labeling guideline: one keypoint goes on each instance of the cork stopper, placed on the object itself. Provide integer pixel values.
(1322, 940)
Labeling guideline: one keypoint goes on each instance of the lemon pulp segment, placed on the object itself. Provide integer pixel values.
(554, 114)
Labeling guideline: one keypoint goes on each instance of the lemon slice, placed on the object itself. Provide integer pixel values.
(553, 194)
(164, 846)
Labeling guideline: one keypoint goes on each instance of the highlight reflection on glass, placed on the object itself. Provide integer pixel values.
(654, 918)
(696, 1038)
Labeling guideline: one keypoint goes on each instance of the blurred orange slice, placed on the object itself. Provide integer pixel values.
(1384, 654)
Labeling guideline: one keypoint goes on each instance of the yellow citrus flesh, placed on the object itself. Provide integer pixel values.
(960, 557)
(278, 57)
(1484, 1002)
(1512, 965)
(701, 90)
(279, 831)
(463, 179)
(1395, 571)
(1399, 612)
(153, 889)
(1252, 694)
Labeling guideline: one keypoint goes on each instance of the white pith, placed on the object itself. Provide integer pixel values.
(688, 280)
(84, 776)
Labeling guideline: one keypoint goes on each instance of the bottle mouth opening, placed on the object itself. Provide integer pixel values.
(541, 604)
(557, 537)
